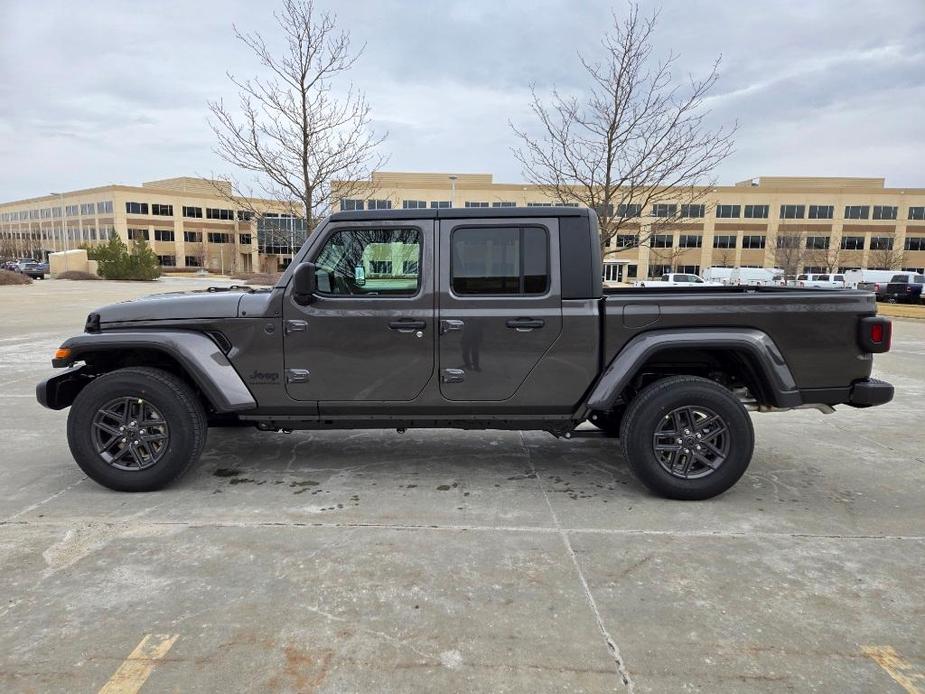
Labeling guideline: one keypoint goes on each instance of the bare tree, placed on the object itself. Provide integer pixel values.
(886, 258)
(294, 134)
(637, 139)
(790, 253)
(828, 258)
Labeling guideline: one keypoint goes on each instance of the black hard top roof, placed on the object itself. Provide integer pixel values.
(461, 213)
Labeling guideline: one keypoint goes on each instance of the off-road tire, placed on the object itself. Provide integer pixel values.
(181, 409)
(648, 413)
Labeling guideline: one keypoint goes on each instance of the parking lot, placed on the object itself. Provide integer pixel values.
(452, 561)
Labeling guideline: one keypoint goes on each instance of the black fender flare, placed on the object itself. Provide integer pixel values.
(763, 354)
(197, 354)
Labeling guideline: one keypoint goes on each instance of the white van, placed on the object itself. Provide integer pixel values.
(718, 275)
(854, 277)
(757, 276)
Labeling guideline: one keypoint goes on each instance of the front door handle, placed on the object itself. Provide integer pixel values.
(297, 375)
(407, 325)
(523, 325)
(296, 326)
(448, 326)
(453, 376)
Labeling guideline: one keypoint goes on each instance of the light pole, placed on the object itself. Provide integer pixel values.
(63, 228)
(453, 191)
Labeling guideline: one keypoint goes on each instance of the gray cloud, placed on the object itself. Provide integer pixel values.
(117, 92)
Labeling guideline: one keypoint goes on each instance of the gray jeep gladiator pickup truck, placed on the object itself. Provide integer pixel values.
(469, 319)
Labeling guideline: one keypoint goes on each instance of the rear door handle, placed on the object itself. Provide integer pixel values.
(523, 325)
(449, 325)
(407, 325)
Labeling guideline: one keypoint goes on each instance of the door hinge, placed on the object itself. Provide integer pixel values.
(296, 326)
(297, 375)
(453, 376)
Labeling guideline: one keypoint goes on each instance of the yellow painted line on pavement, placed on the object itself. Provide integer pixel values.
(139, 665)
(902, 671)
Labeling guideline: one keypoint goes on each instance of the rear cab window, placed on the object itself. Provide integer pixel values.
(499, 260)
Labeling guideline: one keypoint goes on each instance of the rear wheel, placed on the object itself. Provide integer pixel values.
(136, 429)
(687, 437)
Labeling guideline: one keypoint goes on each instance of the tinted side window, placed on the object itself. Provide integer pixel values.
(499, 260)
(377, 262)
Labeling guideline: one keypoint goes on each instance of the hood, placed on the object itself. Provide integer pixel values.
(173, 306)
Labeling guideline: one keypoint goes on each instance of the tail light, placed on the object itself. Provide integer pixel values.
(875, 334)
(876, 286)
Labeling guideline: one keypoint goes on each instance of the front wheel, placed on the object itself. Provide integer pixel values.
(136, 429)
(687, 437)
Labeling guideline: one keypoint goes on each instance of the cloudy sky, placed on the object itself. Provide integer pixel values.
(115, 92)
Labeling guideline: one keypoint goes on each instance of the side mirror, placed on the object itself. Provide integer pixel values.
(303, 283)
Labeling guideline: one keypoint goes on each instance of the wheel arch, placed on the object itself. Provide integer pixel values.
(192, 356)
(749, 355)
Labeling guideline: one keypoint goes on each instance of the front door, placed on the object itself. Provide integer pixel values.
(500, 304)
(368, 333)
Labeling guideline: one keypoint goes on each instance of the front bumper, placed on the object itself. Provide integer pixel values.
(59, 391)
(870, 392)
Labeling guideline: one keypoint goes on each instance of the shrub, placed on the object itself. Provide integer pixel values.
(77, 275)
(7, 277)
(116, 263)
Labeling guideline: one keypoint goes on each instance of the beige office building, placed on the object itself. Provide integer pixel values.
(187, 221)
(840, 223)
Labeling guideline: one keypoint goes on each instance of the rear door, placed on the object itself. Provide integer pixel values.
(500, 306)
(368, 333)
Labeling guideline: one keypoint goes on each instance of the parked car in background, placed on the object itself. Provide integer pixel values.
(854, 278)
(676, 279)
(820, 280)
(34, 269)
(757, 276)
(902, 287)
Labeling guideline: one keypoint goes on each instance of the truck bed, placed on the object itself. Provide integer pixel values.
(815, 328)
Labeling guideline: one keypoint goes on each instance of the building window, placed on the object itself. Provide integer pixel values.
(689, 269)
(852, 243)
(857, 212)
(414, 204)
(603, 210)
(664, 210)
(162, 210)
(629, 210)
(881, 243)
(350, 205)
(503, 203)
(690, 241)
(163, 235)
(87, 209)
(167, 260)
(440, 204)
(136, 208)
(792, 211)
(728, 211)
(104, 207)
(192, 212)
(499, 260)
(470, 203)
(363, 261)
(219, 213)
(661, 241)
(917, 213)
(728, 241)
(245, 239)
(818, 243)
(532, 204)
(626, 240)
(137, 234)
(193, 261)
(754, 241)
(70, 210)
(378, 204)
(218, 237)
(245, 215)
(821, 211)
(915, 243)
(657, 270)
(410, 267)
(192, 236)
(884, 212)
(91, 233)
(692, 211)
